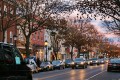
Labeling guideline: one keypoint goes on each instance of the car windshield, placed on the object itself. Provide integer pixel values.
(115, 60)
(79, 59)
(45, 63)
(55, 62)
(93, 59)
(68, 60)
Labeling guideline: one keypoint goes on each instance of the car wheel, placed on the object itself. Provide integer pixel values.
(84, 67)
(108, 70)
(64, 67)
(98, 63)
(73, 67)
(29, 77)
(47, 69)
(52, 68)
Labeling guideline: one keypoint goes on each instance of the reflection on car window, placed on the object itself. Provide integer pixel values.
(68, 60)
(1, 58)
(115, 60)
(56, 62)
(6, 47)
(79, 59)
(8, 58)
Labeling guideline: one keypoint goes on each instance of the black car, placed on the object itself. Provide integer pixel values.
(114, 65)
(79, 63)
(57, 64)
(12, 66)
(68, 63)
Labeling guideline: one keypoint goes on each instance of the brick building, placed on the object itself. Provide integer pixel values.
(37, 41)
(7, 13)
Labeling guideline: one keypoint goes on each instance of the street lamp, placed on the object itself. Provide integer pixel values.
(15, 38)
(46, 43)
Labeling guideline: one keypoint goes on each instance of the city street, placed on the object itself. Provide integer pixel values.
(91, 73)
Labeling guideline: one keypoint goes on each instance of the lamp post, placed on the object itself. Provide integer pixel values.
(15, 38)
(46, 43)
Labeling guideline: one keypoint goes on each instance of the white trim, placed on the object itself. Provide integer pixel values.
(21, 47)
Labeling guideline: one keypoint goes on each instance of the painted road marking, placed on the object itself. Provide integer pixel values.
(35, 78)
(95, 75)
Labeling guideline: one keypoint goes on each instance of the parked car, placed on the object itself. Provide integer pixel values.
(114, 65)
(33, 66)
(79, 63)
(58, 64)
(94, 61)
(12, 65)
(46, 66)
(68, 62)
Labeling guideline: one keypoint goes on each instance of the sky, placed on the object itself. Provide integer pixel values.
(98, 25)
(107, 34)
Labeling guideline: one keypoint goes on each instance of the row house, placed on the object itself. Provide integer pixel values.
(6, 12)
(37, 42)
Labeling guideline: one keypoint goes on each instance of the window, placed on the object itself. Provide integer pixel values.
(0, 11)
(8, 57)
(11, 11)
(17, 53)
(1, 58)
(7, 48)
(5, 8)
(11, 36)
(39, 35)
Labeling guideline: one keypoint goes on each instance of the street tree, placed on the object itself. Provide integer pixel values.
(108, 10)
(35, 15)
(80, 34)
(8, 16)
(55, 26)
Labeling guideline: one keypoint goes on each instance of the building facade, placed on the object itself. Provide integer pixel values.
(7, 11)
(37, 42)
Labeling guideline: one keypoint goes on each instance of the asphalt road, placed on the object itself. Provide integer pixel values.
(91, 73)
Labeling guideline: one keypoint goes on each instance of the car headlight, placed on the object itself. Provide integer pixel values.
(73, 63)
(82, 63)
(49, 66)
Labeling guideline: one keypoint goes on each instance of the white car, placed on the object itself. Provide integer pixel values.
(33, 66)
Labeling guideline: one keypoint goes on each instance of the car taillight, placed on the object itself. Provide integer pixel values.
(118, 64)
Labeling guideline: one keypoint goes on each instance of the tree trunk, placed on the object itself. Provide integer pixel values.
(71, 52)
(27, 46)
(78, 55)
(56, 55)
(3, 35)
